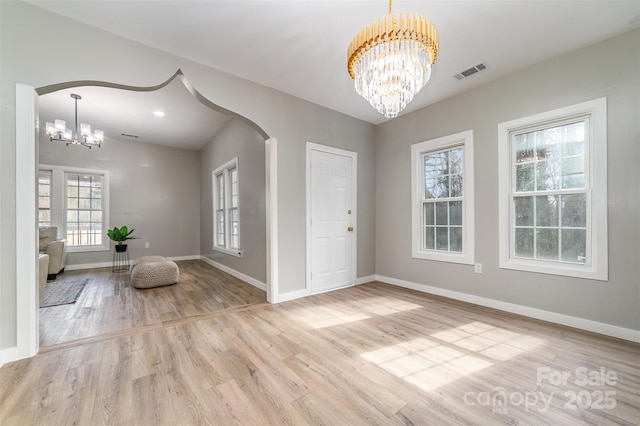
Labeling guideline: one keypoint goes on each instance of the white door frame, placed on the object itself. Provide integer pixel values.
(354, 202)
(27, 300)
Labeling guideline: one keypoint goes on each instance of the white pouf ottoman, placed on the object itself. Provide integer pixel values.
(153, 271)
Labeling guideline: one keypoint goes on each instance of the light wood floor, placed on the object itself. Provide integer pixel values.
(366, 355)
(109, 303)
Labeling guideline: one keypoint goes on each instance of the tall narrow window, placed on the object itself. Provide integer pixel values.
(44, 197)
(226, 208)
(84, 209)
(553, 178)
(442, 187)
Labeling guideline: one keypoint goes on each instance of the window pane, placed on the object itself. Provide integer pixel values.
(44, 217)
(43, 202)
(456, 165)
(428, 218)
(429, 238)
(456, 239)
(442, 238)
(547, 246)
(548, 159)
(44, 189)
(524, 211)
(547, 210)
(573, 172)
(574, 245)
(574, 210)
(437, 187)
(524, 177)
(456, 186)
(72, 215)
(84, 203)
(455, 212)
(524, 242)
(442, 214)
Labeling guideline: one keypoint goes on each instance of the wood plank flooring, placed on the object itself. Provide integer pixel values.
(373, 354)
(109, 303)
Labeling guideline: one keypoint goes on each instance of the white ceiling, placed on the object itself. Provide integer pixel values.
(299, 47)
(186, 122)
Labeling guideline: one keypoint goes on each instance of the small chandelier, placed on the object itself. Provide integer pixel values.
(59, 132)
(390, 60)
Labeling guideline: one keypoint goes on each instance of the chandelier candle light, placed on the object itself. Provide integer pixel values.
(59, 132)
(390, 60)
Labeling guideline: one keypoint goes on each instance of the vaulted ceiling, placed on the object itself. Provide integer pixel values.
(299, 47)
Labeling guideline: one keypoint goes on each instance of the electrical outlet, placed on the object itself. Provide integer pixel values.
(477, 268)
(146, 245)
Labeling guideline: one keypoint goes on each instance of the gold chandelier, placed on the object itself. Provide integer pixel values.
(390, 60)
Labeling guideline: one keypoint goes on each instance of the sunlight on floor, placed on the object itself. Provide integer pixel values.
(351, 311)
(448, 355)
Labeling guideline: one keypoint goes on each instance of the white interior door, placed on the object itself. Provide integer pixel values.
(331, 257)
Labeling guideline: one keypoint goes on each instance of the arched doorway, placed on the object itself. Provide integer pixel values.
(26, 224)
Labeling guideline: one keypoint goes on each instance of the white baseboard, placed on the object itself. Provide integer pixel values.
(576, 322)
(250, 280)
(80, 266)
(179, 258)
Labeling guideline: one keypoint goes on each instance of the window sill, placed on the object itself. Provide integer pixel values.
(77, 249)
(231, 252)
(553, 268)
(443, 257)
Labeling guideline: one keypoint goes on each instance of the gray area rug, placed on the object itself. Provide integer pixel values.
(62, 292)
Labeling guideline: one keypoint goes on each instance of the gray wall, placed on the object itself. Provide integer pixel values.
(237, 139)
(610, 69)
(154, 189)
(25, 29)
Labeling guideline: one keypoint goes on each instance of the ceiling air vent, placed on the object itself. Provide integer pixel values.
(470, 71)
(129, 135)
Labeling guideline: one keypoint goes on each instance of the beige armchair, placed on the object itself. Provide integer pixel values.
(55, 248)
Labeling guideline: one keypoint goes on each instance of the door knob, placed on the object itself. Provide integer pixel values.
(350, 229)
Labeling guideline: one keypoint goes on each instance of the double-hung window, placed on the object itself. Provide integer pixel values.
(226, 209)
(553, 199)
(76, 202)
(442, 199)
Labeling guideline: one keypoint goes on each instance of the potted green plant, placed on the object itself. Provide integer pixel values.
(120, 235)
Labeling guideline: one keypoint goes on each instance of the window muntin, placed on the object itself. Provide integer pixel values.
(44, 197)
(442, 211)
(553, 192)
(226, 207)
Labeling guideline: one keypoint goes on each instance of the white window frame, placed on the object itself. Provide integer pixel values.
(59, 206)
(225, 171)
(596, 266)
(464, 140)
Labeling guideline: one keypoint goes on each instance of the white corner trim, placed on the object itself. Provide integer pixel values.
(554, 317)
(254, 282)
(8, 355)
(297, 294)
(364, 280)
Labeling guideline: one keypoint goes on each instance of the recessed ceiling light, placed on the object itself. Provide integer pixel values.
(158, 113)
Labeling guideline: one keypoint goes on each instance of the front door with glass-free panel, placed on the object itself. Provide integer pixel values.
(331, 220)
